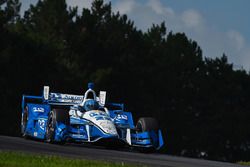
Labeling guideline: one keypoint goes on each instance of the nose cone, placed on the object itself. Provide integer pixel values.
(101, 120)
(108, 127)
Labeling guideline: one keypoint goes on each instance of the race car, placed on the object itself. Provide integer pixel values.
(88, 118)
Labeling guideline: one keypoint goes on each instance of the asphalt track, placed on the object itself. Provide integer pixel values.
(88, 152)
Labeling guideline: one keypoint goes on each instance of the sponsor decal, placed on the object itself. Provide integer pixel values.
(124, 117)
(38, 109)
(41, 124)
(66, 98)
(94, 114)
(78, 136)
(100, 116)
(108, 127)
(101, 120)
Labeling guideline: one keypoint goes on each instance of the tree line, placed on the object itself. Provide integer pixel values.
(201, 103)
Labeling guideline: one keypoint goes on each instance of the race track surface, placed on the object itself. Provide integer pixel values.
(97, 153)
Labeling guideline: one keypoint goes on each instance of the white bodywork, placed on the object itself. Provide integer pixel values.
(102, 120)
(99, 118)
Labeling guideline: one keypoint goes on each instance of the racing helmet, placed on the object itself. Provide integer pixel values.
(91, 105)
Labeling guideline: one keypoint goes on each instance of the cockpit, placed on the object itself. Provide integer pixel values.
(91, 105)
(90, 100)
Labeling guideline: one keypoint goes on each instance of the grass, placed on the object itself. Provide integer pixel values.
(244, 163)
(14, 159)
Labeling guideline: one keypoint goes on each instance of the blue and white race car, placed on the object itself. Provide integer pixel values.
(60, 118)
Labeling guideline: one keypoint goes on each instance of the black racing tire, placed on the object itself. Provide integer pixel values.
(50, 128)
(147, 124)
(55, 116)
(24, 121)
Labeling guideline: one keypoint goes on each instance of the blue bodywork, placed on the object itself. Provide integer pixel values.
(81, 129)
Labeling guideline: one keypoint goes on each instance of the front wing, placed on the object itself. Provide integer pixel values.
(84, 131)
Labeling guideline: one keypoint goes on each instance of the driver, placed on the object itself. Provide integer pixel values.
(91, 104)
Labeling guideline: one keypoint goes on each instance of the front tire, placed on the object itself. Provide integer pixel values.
(148, 124)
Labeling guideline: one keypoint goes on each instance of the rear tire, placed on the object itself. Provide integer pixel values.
(24, 121)
(55, 116)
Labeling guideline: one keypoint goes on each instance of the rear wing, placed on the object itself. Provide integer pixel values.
(65, 99)
(70, 99)
(60, 98)
(51, 98)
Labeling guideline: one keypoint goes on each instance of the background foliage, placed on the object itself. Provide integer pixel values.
(202, 103)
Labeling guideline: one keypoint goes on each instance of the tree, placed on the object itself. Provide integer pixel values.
(201, 103)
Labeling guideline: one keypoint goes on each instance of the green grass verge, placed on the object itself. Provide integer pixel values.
(244, 163)
(14, 159)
